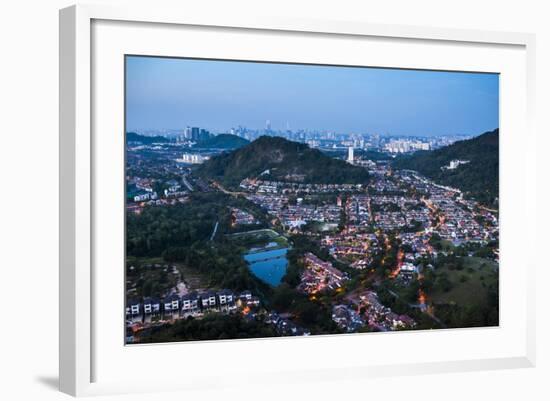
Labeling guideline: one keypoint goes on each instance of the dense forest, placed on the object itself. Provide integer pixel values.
(185, 233)
(478, 178)
(280, 159)
(211, 327)
(223, 141)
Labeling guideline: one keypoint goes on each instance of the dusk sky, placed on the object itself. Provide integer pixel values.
(169, 93)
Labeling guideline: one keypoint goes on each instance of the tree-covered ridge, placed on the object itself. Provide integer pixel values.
(285, 160)
(134, 137)
(478, 178)
(223, 141)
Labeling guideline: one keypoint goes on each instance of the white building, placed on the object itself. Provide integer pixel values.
(193, 158)
(350, 154)
(453, 164)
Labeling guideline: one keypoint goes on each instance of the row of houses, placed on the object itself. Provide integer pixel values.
(319, 276)
(188, 304)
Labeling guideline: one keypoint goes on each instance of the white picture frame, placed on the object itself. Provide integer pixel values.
(78, 164)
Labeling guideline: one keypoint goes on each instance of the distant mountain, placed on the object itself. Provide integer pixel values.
(478, 177)
(280, 159)
(146, 140)
(223, 141)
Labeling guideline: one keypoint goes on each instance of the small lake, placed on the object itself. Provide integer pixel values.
(269, 265)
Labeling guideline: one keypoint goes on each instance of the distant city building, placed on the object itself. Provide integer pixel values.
(193, 158)
(187, 133)
(195, 132)
(406, 146)
(203, 135)
(350, 154)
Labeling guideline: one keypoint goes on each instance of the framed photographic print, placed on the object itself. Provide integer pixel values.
(328, 199)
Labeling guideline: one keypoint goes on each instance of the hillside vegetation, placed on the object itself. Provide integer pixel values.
(280, 159)
(478, 178)
(146, 140)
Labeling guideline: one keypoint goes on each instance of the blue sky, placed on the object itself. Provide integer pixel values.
(173, 93)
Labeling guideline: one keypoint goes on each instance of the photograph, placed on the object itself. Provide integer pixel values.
(273, 199)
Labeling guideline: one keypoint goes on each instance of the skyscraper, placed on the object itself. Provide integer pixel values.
(187, 133)
(267, 125)
(350, 154)
(195, 132)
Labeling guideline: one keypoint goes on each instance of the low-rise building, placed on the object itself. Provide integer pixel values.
(171, 304)
(151, 306)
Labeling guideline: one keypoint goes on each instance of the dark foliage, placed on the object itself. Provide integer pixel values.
(211, 327)
(183, 233)
(285, 160)
(478, 178)
(146, 140)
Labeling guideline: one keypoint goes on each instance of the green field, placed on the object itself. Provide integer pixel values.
(259, 238)
(468, 283)
(266, 232)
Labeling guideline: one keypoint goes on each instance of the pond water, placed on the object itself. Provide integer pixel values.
(269, 265)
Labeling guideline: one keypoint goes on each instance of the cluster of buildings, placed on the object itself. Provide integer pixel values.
(458, 220)
(258, 186)
(284, 326)
(195, 304)
(242, 217)
(418, 243)
(167, 201)
(347, 318)
(379, 317)
(193, 158)
(193, 134)
(140, 189)
(292, 216)
(319, 276)
(403, 202)
(358, 210)
(350, 246)
(142, 314)
(398, 212)
(341, 141)
(406, 146)
(140, 193)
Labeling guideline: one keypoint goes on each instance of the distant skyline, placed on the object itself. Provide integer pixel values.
(172, 93)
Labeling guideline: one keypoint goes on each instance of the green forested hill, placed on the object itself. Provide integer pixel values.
(133, 137)
(223, 141)
(478, 178)
(285, 160)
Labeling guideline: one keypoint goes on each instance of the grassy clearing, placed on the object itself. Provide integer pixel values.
(256, 234)
(191, 277)
(259, 239)
(469, 285)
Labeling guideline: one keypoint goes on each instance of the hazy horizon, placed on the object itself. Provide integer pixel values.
(170, 94)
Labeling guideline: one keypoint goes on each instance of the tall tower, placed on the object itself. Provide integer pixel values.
(267, 125)
(350, 154)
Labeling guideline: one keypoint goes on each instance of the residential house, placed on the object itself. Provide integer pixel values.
(171, 304)
(151, 306)
(189, 303)
(208, 299)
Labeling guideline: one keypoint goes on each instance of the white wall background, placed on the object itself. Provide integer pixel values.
(29, 195)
